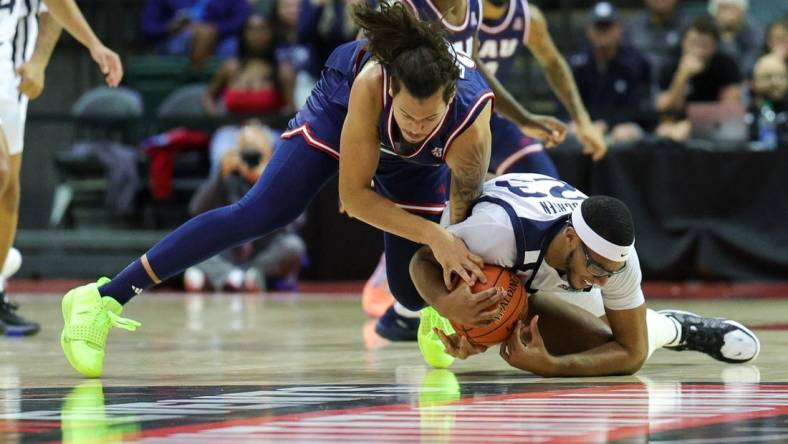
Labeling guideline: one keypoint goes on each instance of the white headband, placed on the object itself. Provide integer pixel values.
(597, 243)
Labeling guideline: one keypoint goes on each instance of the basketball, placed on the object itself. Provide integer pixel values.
(510, 309)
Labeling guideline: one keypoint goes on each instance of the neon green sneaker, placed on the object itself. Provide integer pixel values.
(83, 419)
(87, 319)
(430, 344)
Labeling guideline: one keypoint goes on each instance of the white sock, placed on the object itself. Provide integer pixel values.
(2, 284)
(13, 261)
(662, 331)
(404, 312)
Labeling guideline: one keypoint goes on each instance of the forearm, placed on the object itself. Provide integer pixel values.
(608, 359)
(373, 209)
(48, 34)
(504, 102)
(465, 189)
(562, 83)
(676, 95)
(427, 277)
(67, 13)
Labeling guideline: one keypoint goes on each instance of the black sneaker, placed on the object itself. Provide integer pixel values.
(15, 325)
(396, 327)
(722, 339)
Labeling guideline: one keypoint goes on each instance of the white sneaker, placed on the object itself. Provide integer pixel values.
(194, 280)
(722, 339)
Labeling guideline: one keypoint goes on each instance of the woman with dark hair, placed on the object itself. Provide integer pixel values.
(253, 82)
(404, 111)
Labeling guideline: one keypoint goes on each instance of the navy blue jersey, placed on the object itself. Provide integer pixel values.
(472, 94)
(320, 121)
(499, 40)
(461, 37)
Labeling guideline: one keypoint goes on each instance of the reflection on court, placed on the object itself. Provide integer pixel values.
(218, 368)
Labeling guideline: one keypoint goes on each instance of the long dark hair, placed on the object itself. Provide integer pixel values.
(245, 53)
(413, 52)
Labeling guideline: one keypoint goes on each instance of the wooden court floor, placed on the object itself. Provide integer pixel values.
(218, 368)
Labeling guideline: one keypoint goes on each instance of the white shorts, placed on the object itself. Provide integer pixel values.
(590, 301)
(13, 108)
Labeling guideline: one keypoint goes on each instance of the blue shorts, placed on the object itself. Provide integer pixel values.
(515, 152)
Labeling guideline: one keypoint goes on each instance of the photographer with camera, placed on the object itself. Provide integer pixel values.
(272, 262)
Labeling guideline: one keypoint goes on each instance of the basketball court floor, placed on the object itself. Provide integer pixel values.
(218, 368)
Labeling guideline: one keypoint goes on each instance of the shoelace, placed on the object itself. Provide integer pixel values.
(703, 334)
(120, 322)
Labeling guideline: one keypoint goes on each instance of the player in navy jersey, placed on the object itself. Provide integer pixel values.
(506, 26)
(461, 20)
(403, 110)
(570, 251)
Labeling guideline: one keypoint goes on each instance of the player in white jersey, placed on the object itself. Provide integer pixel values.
(28, 34)
(570, 251)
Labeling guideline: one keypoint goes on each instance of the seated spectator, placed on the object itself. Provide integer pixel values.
(325, 24)
(740, 36)
(702, 74)
(197, 29)
(253, 82)
(656, 33)
(291, 52)
(777, 38)
(769, 95)
(613, 79)
(270, 262)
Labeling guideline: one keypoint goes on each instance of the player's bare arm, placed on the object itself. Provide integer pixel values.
(468, 158)
(67, 13)
(558, 74)
(624, 354)
(547, 128)
(32, 73)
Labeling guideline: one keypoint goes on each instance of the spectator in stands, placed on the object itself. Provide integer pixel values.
(613, 79)
(770, 92)
(271, 262)
(194, 28)
(325, 24)
(703, 74)
(253, 82)
(656, 33)
(290, 51)
(777, 38)
(740, 36)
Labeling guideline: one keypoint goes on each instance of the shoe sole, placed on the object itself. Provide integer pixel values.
(21, 331)
(66, 308)
(746, 330)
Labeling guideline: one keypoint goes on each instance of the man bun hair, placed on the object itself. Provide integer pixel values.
(415, 53)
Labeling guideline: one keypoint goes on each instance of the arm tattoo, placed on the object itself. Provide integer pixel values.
(466, 184)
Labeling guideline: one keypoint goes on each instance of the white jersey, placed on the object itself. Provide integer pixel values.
(515, 220)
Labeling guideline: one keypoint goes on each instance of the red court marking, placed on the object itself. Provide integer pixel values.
(769, 327)
(593, 436)
(653, 290)
(715, 290)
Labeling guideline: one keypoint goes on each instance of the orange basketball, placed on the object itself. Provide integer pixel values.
(513, 307)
